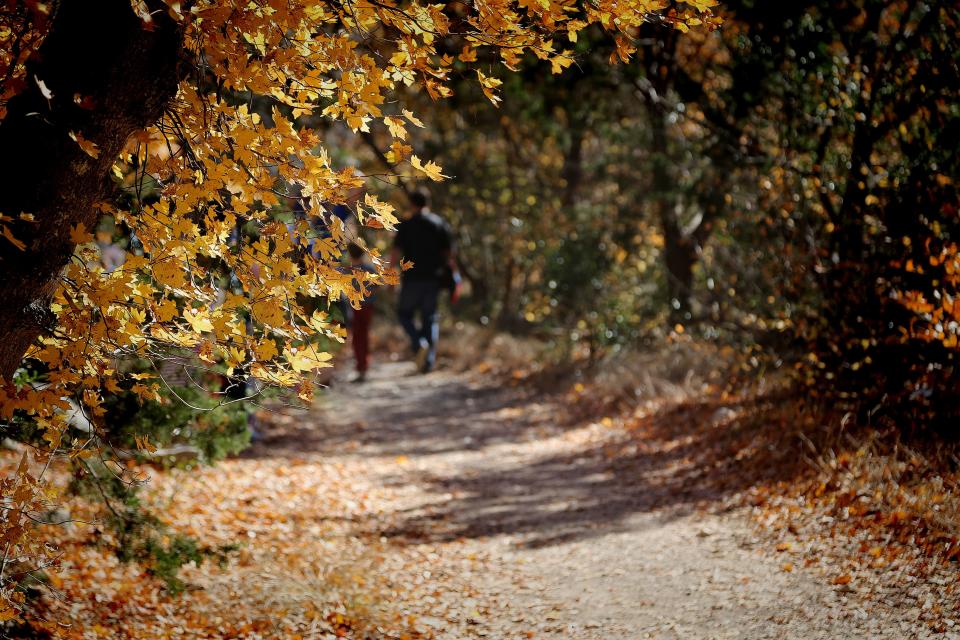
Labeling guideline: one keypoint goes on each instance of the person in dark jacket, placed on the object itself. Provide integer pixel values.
(426, 240)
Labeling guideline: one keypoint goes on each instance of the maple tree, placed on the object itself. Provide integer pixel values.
(781, 184)
(187, 123)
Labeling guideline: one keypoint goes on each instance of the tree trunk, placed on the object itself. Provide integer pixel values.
(505, 317)
(110, 77)
(679, 258)
(679, 253)
(572, 172)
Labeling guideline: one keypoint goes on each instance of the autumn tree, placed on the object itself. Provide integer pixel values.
(888, 194)
(852, 103)
(794, 165)
(97, 78)
(186, 122)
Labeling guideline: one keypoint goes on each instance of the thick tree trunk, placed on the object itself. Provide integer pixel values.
(679, 258)
(679, 252)
(109, 77)
(679, 245)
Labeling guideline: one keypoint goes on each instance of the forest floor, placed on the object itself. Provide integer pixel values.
(505, 516)
(457, 505)
(568, 544)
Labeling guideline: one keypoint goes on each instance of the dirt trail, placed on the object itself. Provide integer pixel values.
(507, 522)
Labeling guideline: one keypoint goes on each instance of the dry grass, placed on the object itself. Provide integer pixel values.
(908, 494)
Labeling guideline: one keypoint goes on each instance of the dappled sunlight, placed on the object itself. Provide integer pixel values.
(390, 320)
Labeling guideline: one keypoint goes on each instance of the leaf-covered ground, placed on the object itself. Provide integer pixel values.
(451, 506)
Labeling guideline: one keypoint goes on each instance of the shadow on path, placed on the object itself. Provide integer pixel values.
(511, 461)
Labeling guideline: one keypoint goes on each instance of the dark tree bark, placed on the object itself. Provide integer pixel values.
(109, 77)
(679, 252)
(572, 172)
(682, 242)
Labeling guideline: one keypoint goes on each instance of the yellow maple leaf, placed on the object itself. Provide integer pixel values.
(235, 357)
(489, 84)
(169, 273)
(307, 359)
(560, 62)
(412, 118)
(266, 350)
(431, 168)
(397, 130)
(165, 310)
(398, 152)
(79, 234)
(268, 311)
(702, 5)
(199, 320)
(90, 148)
(382, 211)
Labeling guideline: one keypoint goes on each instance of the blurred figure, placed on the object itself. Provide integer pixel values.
(425, 240)
(111, 256)
(361, 318)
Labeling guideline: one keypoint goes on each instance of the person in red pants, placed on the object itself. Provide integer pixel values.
(362, 317)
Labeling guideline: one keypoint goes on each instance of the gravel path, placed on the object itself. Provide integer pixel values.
(508, 519)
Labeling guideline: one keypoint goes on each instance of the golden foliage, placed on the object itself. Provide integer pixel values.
(217, 165)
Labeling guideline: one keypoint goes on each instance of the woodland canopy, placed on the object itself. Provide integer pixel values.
(776, 178)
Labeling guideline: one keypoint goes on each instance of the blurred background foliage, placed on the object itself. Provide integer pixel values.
(786, 185)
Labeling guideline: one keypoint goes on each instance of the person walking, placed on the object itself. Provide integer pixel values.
(360, 319)
(426, 240)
